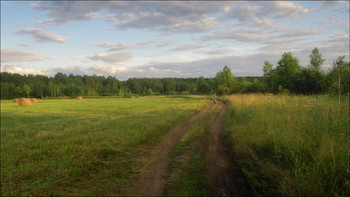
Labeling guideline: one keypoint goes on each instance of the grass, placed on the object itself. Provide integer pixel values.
(291, 145)
(188, 168)
(82, 148)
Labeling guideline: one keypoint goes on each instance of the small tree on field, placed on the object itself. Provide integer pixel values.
(268, 71)
(285, 73)
(18, 91)
(223, 79)
(27, 89)
(316, 60)
(202, 86)
(339, 77)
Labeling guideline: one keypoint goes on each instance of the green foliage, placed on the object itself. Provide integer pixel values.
(309, 81)
(27, 90)
(226, 91)
(294, 79)
(202, 86)
(338, 78)
(268, 73)
(316, 60)
(224, 79)
(285, 73)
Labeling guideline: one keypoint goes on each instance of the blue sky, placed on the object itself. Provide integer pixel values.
(167, 39)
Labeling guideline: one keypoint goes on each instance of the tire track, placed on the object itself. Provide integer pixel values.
(225, 177)
(152, 178)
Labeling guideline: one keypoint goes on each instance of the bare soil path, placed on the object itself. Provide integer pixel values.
(225, 177)
(152, 178)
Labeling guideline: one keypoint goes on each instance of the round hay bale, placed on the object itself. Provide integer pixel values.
(79, 98)
(24, 102)
(33, 100)
(15, 100)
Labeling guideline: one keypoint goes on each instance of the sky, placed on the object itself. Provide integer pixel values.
(181, 39)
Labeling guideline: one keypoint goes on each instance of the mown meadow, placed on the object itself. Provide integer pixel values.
(83, 148)
(291, 145)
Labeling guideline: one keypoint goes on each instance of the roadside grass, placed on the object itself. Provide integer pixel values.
(83, 148)
(291, 145)
(188, 167)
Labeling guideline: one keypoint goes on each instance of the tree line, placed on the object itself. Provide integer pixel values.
(287, 77)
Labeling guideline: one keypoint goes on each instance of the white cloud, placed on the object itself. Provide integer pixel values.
(107, 70)
(156, 43)
(283, 9)
(51, 22)
(248, 65)
(16, 55)
(75, 70)
(114, 47)
(265, 28)
(42, 36)
(112, 57)
(91, 15)
(166, 16)
(189, 47)
(239, 35)
(336, 22)
(19, 69)
(300, 32)
(219, 51)
(63, 12)
(259, 14)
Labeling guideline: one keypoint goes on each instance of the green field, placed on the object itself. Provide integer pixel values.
(88, 147)
(292, 145)
(285, 145)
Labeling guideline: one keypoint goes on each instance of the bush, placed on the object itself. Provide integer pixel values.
(226, 91)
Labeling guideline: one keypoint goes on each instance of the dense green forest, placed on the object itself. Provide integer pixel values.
(287, 77)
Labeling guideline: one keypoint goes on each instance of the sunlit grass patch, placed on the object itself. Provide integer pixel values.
(88, 147)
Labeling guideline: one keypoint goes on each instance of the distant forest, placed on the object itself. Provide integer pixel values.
(286, 77)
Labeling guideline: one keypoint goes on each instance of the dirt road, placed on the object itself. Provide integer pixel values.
(153, 177)
(225, 177)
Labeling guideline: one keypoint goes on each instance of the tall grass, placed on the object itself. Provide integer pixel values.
(82, 148)
(293, 145)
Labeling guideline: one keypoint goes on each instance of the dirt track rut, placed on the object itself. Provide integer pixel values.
(225, 177)
(153, 177)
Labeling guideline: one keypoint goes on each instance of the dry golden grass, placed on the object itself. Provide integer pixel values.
(24, 102)
(34, 100)
(79, 98)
